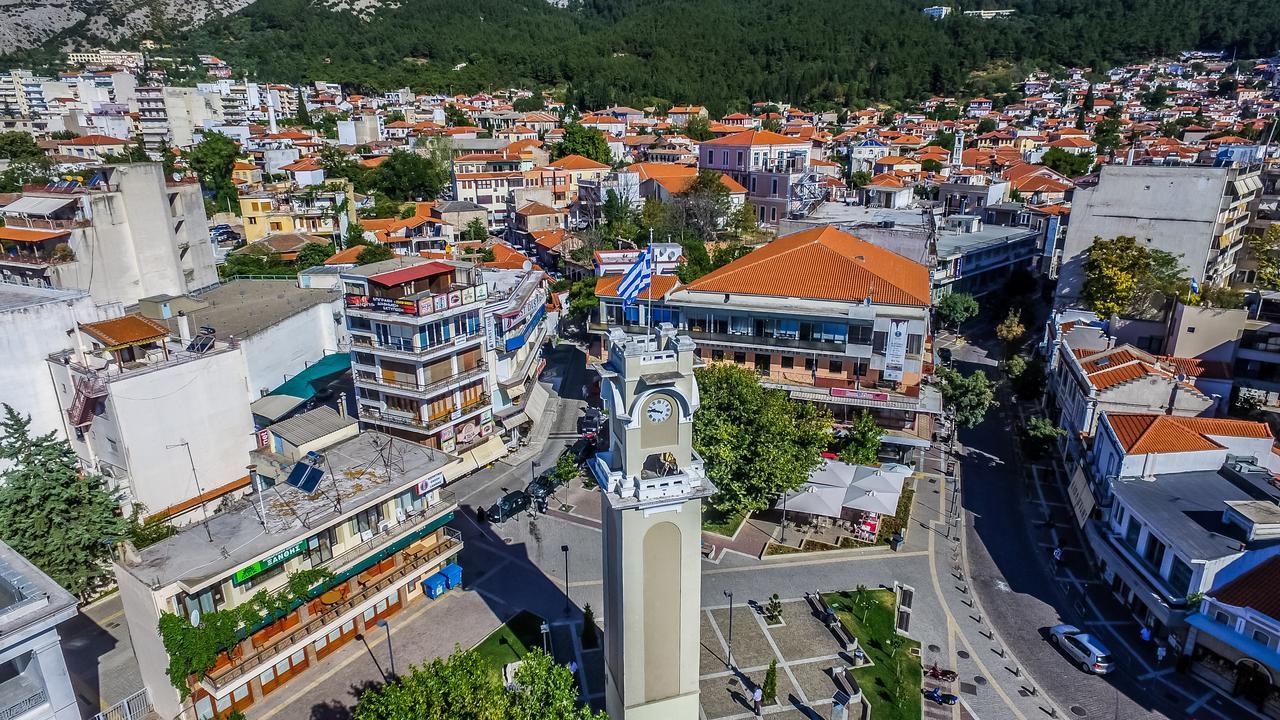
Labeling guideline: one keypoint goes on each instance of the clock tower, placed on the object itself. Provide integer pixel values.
(652, 484)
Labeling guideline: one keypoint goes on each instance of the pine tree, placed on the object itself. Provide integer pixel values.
(62, 520)
(770, 686)
(304, 115)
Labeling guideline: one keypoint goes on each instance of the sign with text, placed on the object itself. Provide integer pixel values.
(858, 394)
(381, 304)
(895, 352)
(428, 484)
(245, 574)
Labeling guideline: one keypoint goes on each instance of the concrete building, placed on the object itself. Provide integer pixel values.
(774, 169)
(418, 353)
(35, 685)
(976, 258)
(165, 420)
(315, 212)
(377, 527)
(819, 313)
(35, 322)
(652, 485)
(1196, 212)
(123, 234)
(515, 329)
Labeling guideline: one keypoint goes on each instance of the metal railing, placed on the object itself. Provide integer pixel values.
(225, 676)
(130, 708)
(19, 221)
(431, 424)
(410, 523)
(427, 388)
(408, 347)
(34, 700)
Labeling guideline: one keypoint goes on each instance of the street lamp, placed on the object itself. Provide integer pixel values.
(730, 596)
(565, 549)
(545, 630)
(391, 653)
(784, 517)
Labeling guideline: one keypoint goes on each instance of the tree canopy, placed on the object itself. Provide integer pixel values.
(212, 160)
(463, 685)
(1061, 161)
(1122, 277)
(967, 396)
(862, 446)
(757, 442)
(588, 142)
(955, 309)
(63, 520)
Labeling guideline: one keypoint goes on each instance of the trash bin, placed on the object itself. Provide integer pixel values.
(452, 575)
(435, 585)
(896, 541)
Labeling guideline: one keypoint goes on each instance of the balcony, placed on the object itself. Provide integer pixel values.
(737, 341)
(421, 389)
(224, 677)
(412, 421)
(405, 349)
(421, 306)
(40, 223)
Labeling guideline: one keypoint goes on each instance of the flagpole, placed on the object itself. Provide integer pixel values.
(649, 313)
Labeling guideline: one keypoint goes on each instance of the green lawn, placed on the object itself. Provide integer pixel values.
(512, 641)
(892, 683)
(720, 523)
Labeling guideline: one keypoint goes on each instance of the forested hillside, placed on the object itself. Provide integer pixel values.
(718, 52)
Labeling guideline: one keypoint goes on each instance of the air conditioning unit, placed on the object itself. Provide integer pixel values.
(384, 526)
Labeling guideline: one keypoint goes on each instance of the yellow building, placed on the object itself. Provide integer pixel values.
(325, 213)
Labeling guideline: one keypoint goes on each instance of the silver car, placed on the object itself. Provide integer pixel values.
(1083, 648)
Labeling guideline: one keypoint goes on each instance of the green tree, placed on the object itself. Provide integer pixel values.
(167, 157)
(313, 254)
(588, 142)
(1061, 161)
(769, 688)
(18, 145)
(742, 223)
(406, 175)
(455, 117)
(986, 125)
(134, 153)
(476, 231)
(589, 631)
(860, 178)
(704, 205)
(954, 309)
(212, 159)
(699, 128)
(1088, 99)
(62, 519)
(374, 253)
(1122, 277)
(1038, 435)
(757, 443)
(36, 171)
(862, 446)
(968, 396)
(304, 115)
(931, 166)
(533, 103)
(464, 686)
(336, 163)
(1107, 135)
(582, 299)
(355, 235)
(1010, 330)
(1265, 251)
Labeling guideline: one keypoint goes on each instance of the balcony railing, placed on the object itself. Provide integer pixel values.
(778, 342)
(34, 700)
(428, 425)
(400, 529)
(422, 388)
(38, 223)
(408, 348)
(251, 662)
(33, 260)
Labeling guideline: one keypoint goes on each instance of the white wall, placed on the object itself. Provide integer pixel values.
(27, 336)
(286, 348)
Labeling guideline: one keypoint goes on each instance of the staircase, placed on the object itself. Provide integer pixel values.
(806, 195)
(88, 389)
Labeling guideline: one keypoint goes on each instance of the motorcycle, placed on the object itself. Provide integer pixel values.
(936, 695)
(942, 674)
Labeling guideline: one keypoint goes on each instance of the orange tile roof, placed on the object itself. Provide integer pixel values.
(346, 256)
(659, 286)
(506, 257)
(823, 263)
(577, 162)
(126, 330)
(1258, 589)
(755, 137)
(95, 140)
(677, 184)
(1144, 433)
(549, 239)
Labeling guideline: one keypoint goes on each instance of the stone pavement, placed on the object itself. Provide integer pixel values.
(99, 656)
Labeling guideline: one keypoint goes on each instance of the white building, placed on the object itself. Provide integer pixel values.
(515, 328)
(122, 234)
(35, 685)
(165, 420)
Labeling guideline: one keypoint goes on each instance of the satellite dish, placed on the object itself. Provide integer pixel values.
(177, 176)
(527, 265)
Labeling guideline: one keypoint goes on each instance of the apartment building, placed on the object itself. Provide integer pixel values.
(820, 313)
(418, 353)
(36, 684)
(313, 211)
(124, 233)
(515, 328)
(491, 191)
(368, 508)
(164, 419)
(775, 170)
(1198, 213)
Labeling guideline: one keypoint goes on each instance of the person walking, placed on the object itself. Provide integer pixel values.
(1145, 634)
(1161, 651)
(757, 697)
(1057, 558)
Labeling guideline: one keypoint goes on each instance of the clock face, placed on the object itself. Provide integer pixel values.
(658, 410)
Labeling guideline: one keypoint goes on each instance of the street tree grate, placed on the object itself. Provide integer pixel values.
(968, 688)
(963, 654)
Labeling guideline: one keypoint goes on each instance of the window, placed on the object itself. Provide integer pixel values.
(773, 186)
(711, 155)
(320, 547)
(773, 214)
(367, 520)
(836, 366)
(788, 362)
(1180, 576)
(1222, 617)
(739, 158)
(717, 355)
(914, 344)
(740, 357)
(753, 184)
(861, 333)
(1131, 533)
(810, 364)
(1262, 637)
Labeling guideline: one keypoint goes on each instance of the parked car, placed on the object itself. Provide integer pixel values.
(583, 449)
(1092, 656)
(541, 487)
(508, 506)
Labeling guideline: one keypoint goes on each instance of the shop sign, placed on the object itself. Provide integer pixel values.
(428, 484)
(895, 355)
(858, 394)
(246, 573)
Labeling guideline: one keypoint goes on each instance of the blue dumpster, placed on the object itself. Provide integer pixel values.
(452, 574)
(434, 585)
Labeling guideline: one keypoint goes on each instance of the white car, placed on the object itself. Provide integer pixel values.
(1091, 655)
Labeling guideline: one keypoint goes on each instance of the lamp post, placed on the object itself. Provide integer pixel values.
(729, 594)
(545, 630)
(391, 653)
(565, 549)
(784, 517)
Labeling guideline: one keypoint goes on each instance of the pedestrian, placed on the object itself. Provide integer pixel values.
(1145, 634)
(757, 696)
(1161, 651)
(1057, 557)
(573, 667)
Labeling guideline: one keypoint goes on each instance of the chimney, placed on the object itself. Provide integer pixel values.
(184, 328)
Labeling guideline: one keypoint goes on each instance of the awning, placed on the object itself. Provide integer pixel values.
(274, 407)
(30, 205)
(515, 421)
(1247, 646)
(515, 391)
(17, 234)
(308, 382)
(897, 437)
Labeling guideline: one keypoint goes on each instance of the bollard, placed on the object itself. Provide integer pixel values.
(1017, 671)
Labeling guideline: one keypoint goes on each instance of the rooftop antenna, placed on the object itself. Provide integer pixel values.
(337, 493)
(204, 508)
(288, 504)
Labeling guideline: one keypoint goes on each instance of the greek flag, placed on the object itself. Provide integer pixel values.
(1195, 287)
(637, 277)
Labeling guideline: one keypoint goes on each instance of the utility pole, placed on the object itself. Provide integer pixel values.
(200, 491)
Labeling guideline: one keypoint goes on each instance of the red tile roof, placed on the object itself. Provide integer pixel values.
(755, 137)
(125, 330)
(1145, 433)
(95, 140)
(1259, 588)
(346, 256)
(659, 286)
(577, 162)
(823, 263)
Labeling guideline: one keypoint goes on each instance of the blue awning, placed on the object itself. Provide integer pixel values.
(1245, 645)
(307, 383)
(517, 341)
